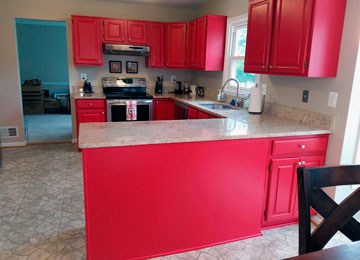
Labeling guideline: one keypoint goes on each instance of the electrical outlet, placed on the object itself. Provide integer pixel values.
(332, 99)
(83, 76)
(305, 96)
(173, 78)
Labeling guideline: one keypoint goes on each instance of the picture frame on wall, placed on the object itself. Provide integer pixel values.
(132, 67)
(115, 66)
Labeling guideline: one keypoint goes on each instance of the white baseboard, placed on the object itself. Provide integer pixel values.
(74, 141)
(13, 144)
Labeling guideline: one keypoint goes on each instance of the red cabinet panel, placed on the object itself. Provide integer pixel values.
(291, 35)
(163, 109)
(91, 116)
(259, 31)
(86, 40)
(157, 45)
(191, 46)
(176, 45)
(296, 38)
(192, 113)
(299, 146)
(115, 30)
(281, 194)
(90, 103)
(137, 32)
(203, 115)
(201, 42)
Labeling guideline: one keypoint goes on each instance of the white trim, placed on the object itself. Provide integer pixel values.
(13, 144)
(241, 19)
(74, 141)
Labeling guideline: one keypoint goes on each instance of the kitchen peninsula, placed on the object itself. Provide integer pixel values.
(161, 187)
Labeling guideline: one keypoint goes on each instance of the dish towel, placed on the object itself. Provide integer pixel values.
(131, 111)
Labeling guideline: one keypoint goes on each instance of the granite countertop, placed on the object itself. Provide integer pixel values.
(237, 124)
(82, 95)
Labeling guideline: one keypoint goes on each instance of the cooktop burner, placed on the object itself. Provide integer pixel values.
(128, 96)
(125, 88)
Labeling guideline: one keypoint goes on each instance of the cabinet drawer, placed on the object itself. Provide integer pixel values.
(90, 103)
(299, 146)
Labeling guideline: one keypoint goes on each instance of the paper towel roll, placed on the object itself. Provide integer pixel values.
(255, 105)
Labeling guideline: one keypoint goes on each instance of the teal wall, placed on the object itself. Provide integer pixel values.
(42, 51)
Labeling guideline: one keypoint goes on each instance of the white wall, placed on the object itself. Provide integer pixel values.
(60, 10)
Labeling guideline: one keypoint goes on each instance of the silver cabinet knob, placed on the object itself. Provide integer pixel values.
(302, 146)
(122, 38)
(303, 162)
(129, 39)
(299, 163)
(264, 67)
(271, 67)
(102, 113)
(90, 104)
(157, 102)
(152, 64)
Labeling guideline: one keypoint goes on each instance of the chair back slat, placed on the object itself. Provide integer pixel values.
(336, 217)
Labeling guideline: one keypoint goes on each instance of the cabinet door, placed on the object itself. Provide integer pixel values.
(91, 116)
(86, 37)
(200, 42)
(258, 37)
(281, 189)
(191, 46)
(203, 115)
(176, 45)
(157, 45)
(115, 30)
(291, 34)
(192, 113)
(137, 32)
(307, 162)
(164, 110)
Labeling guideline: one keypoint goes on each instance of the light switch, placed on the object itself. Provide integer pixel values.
(83, 76)
(332, 99)
(173, 78)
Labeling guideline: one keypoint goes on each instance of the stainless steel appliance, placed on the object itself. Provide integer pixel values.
(200, 91)
(159, 84)
(180, 111)
(118, 90)
(130, 50)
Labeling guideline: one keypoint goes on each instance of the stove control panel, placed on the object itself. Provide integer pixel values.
(123, 82)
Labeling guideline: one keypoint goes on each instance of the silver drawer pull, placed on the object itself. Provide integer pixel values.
(299, 163)
(302, 146)
(90, 104)
(303, 162)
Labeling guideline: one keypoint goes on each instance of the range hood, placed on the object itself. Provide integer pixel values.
(131, 50)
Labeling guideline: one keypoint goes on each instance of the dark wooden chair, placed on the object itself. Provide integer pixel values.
(336, 217)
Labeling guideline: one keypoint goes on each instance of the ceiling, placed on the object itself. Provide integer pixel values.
(176, 3)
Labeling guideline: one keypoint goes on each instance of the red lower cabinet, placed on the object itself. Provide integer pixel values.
(163, 109)
(194, 113)
(281, 199)
(90, 111)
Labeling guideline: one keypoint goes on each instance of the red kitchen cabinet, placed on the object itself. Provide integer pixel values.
(191, 46)
(194, 113)
(305, 37)
(206, 43)
(281, 202)
(203, 115)
(86, 40)
(90, 111)
(157, 46)
(115, 30)
(260, 19)
(176, 45)
(137, 32)
(163, 109)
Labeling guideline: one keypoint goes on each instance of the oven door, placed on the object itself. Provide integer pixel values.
(116, 110)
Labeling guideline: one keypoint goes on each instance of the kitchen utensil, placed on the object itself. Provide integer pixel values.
(256, 100)
(88, 87)
(186, 87)
(200, 91)
(193, 90)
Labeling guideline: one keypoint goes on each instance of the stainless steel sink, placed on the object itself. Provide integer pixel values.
(216, 106)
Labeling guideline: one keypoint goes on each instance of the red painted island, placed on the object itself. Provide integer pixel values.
(163, 187)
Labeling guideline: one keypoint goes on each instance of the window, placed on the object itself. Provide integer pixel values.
(235, 56)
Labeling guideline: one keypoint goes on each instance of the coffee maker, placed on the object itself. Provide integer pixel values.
(88, 87)
(179, 89)
(159, 84)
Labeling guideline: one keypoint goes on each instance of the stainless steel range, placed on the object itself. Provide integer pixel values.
(119, 90)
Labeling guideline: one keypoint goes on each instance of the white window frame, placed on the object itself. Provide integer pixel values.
(231, 24)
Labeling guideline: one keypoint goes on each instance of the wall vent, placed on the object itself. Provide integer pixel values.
(8, 132)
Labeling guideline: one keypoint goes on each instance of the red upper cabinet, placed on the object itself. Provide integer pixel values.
(115, 30)
(191, 46)
(305, 37)
(157, 46)
(260, 19)
(206, 43)
(201, 32)
(137, 32)
(176, 45)
(86, 40)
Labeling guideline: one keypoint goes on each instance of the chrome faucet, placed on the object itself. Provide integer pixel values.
(222, 92)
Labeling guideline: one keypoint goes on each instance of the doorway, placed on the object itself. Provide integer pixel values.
(45, 90)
